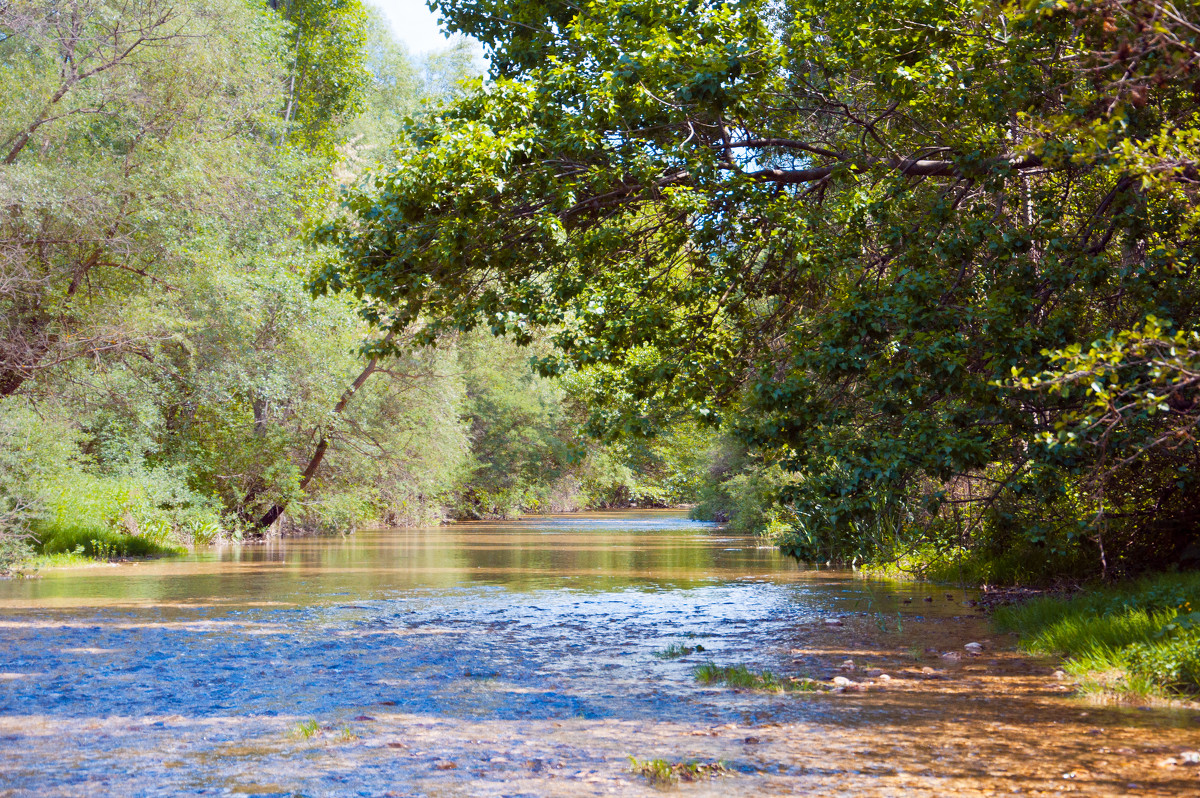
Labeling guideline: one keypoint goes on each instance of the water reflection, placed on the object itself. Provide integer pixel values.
(653, 551)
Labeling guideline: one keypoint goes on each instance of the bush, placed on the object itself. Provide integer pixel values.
(137, 515)
(34, 452)
(1174, 663)
(748, 501)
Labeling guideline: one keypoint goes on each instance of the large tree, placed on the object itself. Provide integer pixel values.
(857, 224)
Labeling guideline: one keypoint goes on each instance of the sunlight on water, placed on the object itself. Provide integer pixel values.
(496, 659)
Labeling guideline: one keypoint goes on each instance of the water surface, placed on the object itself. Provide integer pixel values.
(520, 659)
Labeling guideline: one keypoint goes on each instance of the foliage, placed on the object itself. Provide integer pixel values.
(117, 164)
(742, 490)
(156, 322)
(123, 515)
(33, 452)
(664, 773)
(530, 451)
(839, 228)
(166, 375)
(328, 75)
(1140, 638)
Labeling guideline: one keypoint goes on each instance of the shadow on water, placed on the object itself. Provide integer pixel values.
(533, 643)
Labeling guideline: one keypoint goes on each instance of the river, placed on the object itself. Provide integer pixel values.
(523, 659)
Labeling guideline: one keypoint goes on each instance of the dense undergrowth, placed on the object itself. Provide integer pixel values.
(749, 493)
(1139, 639)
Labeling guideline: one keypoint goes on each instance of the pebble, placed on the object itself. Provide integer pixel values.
(833, 622)
(974, 648)
(842, 681)
(847, 666)
(1189, 758)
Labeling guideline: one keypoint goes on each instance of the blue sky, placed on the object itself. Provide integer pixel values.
(413, 23)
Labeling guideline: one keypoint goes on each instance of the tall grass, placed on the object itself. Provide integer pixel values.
(107, 517)
(1138, 639)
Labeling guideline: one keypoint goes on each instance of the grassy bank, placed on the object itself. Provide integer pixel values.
(84, 545)
(98, 542)
(1138, 640)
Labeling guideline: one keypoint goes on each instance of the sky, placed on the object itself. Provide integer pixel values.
(414, 24)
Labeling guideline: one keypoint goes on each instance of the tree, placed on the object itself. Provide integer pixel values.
(846, 224)
(114, 156)
(328, 77)
(153, 260)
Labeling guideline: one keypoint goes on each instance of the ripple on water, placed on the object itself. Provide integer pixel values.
(519, 659)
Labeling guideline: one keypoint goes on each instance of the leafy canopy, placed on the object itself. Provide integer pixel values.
(843, 224)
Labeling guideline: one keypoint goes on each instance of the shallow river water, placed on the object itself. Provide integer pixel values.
(519, 660)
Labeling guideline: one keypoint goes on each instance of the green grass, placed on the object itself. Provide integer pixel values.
(1139, 640)
(743, 677)
(59, 559)
(663, 773)
(306, 729)
(100, 543)
(676, 651)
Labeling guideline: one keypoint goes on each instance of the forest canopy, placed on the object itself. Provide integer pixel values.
(934, 261)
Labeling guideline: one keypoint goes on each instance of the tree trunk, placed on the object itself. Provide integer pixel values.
(314, 462)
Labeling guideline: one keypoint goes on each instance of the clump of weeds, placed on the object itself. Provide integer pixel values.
(743, 677)
(676, 651)
(662, 773)
(306, 729)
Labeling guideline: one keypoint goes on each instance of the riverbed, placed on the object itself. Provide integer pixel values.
(527, 659)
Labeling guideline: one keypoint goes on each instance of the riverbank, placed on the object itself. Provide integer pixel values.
(1138, 641)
